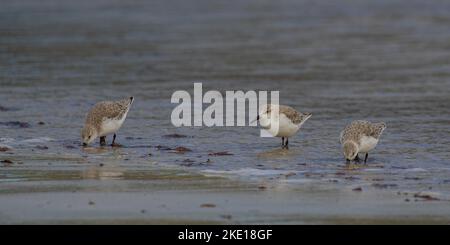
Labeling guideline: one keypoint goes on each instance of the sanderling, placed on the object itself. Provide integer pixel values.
(289, 121)
(105, 118)
(360, 137)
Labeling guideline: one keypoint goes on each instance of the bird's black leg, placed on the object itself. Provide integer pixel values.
(365, 159)
(103, 140)
(357, 159)
(287, 142)
(282, 142)
(114, 140)
(347, 161)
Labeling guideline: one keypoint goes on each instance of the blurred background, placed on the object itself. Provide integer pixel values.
(115, 42)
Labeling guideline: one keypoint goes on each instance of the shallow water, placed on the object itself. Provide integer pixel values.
(376, 60)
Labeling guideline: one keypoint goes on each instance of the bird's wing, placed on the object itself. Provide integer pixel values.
(355, 130)
(112, 110)
(377, 129)
(291, 113)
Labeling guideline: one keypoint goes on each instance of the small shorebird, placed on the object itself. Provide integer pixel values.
(360, 137)
(289, 121)
(105, 118)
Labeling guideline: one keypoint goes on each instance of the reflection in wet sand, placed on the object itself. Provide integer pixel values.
(97, 150)
(103, 172)
(279, 152)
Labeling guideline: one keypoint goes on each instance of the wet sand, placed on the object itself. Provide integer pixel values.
(173, 197)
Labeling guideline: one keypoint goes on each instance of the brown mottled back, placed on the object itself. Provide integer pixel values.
(107, 110)
(295, 116)
(357, 129)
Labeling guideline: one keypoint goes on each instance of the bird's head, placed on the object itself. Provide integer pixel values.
(265, 116)
(265, 109)
(350, 150)
(88, 134)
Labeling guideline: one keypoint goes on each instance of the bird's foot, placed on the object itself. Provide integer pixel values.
(116, 145)
(365, 159)
(351, 166)
(102, 141)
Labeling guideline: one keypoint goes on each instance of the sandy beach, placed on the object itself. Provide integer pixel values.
(172, 197)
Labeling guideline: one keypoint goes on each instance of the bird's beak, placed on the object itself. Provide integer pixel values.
(257, 119)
